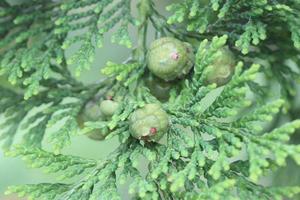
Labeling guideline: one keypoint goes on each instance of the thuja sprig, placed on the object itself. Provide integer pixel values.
(174, 167)
(98, 20)
(69, 166)
(27, 55)
(248, 29)
(44, 111)
(199, 156)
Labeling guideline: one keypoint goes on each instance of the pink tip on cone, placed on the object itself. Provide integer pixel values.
(153, 131)
(175, 56)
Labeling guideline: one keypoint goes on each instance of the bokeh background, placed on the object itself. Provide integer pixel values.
(13, 170)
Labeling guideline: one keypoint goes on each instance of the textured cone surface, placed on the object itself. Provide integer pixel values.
(98, 134)
(108, 107)
(222, 68)
(159, 88)
(92, 112)
(149, 123)
(169, 58)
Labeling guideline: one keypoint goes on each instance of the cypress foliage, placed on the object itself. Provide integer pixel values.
(200, 155)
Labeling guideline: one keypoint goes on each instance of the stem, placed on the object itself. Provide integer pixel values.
(144, 9)
(141, 49)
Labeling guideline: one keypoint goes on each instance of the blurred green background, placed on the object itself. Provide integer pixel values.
(14, 171)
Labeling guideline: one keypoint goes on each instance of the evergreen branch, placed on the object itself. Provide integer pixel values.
(69, 166)
(213, 145)
(39, 191)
